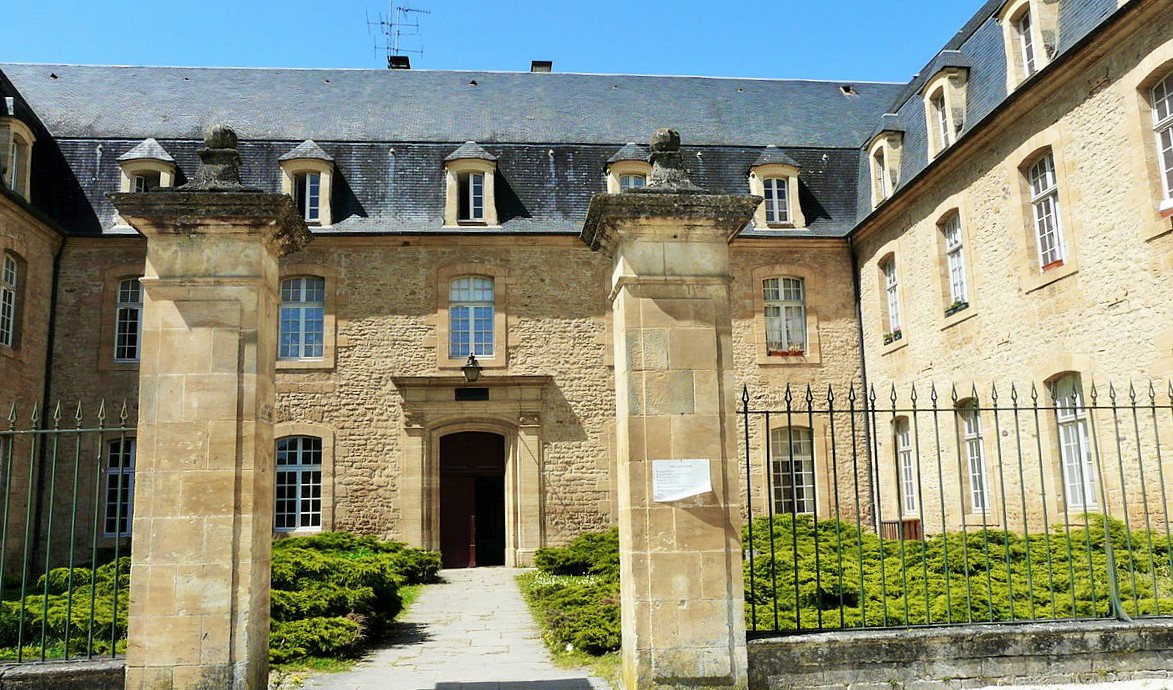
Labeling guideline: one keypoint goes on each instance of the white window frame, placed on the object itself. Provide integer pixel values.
(777, 199)
(975, 458)
(1075, 453)
(892, 291)
(1026, 44)
(1161, 97)
(119, 496)
(793, 468)
(784, 301)
(955, 259)
(1045, 215)
(471, 316)
(880, 174)
(298, 484)
(472, 184)
(308, 186)
(128, 320)
(16, 164)
(909, 498)
(302, 318)
(9, 298)
(146, 180)
(632, 181)
(941, 118)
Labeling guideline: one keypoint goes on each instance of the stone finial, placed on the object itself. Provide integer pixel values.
(219, 169)
(669, 176)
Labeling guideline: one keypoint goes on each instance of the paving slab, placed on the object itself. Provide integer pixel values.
(470, 632)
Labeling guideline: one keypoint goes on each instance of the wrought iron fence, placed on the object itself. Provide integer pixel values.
(65, 507)
(913, 507)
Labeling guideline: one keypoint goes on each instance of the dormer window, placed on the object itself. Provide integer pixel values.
(945, 103)
(145, 167)
(16, 145)
(884, 159)
(628, 168)
(1030, 31)
(774, 177)
(470, 172)
(307, 175)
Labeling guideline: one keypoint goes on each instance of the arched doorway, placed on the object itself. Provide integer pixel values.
(472, 499)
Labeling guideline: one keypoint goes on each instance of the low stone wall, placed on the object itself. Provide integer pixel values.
(106, 674)
(964, 657)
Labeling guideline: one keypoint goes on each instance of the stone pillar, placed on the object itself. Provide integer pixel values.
(203, 501)
(681, 577)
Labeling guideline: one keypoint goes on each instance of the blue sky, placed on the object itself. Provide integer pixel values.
(813, 39)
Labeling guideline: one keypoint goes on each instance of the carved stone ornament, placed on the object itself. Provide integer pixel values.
(669, 176)
(219, 169)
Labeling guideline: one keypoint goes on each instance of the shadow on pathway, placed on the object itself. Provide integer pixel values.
(470, 632)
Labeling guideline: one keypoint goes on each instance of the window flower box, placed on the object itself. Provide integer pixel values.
(892, 337)
(956, 307)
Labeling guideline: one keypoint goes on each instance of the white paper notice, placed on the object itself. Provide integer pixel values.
(676, 480)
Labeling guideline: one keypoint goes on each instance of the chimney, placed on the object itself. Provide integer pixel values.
(398, 62)
(536, 66)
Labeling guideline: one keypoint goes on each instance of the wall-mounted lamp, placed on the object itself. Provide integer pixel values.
(471, 369)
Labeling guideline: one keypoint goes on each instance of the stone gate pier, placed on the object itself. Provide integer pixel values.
(203, 503)
(680, 557)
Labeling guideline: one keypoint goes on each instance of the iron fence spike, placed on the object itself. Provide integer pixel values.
(953, 393)
(830, 395)
(57, 415)
(12, 415)
(102, 413)
(745, 393)
(78, 416)
(1131, 391)
(122, 415)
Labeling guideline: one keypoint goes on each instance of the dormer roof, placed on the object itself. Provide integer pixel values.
(470, 150)
(148, 149)
(772, 155)
(307, 149)
(631, 151)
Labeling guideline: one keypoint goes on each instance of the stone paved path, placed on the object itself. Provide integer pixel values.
(472, 632)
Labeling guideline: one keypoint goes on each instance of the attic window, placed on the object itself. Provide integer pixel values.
(307, 174)
(469, 200)
(16, 147)
(848, 90)
(774, 177)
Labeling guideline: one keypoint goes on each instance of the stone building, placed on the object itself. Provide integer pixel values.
(1003, 217)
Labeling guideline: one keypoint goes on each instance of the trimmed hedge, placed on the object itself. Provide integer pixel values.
(575, 594)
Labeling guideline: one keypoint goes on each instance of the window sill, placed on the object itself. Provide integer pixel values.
(297, 532)
(459, 362)
(1038, 281)
(978, 521)
(893, 346)
(465, 225)
(809, 357)
(117, 365)
(12, 352)
(1165, 208)
(1163, 223)
(293, 364)
(958, 316)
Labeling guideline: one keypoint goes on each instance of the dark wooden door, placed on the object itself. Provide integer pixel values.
(472, 499)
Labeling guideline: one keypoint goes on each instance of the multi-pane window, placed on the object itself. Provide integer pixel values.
(303, 307)
(793, 467)
(1074, 447)
(119, 487)
(971, 422)
(631, 182)
(470, 314)
(891, 290)
(904, 460)
(880, 175)
(308, 195)
(146, 181)
(940, 119)
(17, 161)
(299, 483)
(9, 285)
(128, 325)
(1026, 44)
(1162, 98)
(470, 203)
(785, 304)
(1044, 199)
(777, 199)
(955, 259)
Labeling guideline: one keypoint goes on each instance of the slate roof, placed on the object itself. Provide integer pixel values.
(773, 155)
(470, 150)
(149, 150)
(304, 150)
(448, 106)
(631, 151)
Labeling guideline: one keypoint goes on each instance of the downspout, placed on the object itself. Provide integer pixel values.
(50, 334)
(856, 282)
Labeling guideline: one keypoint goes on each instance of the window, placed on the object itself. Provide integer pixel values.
(1079, 479)
(785, 306)
(971, 422)
(471, 199)
(471, 317)
(631, 182)
(892, 293)
(955, 262)
(904, 460)
(145, 167)
(1162, 100)
(128, 326)
(941, 120)
(1044, 199)
(9, 302)
(146, 181)
(308, 196)
(1026, 44)
(298, 483)
(885, 153)
(945, 100)
(303, 303)
(777, 202)
(880, 175)
(18, 157)
(793, 467)
(119, 487)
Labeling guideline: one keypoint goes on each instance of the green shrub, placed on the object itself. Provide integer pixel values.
(593, 553)
(319, 636)
(575, 612)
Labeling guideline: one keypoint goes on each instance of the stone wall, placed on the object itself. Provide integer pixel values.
(963, 657)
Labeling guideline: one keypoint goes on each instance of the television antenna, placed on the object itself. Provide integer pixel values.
(397, 31)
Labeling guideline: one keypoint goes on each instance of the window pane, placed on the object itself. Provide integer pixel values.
(298, 483)
(119, 495)
(793, 469)
(302, 318)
